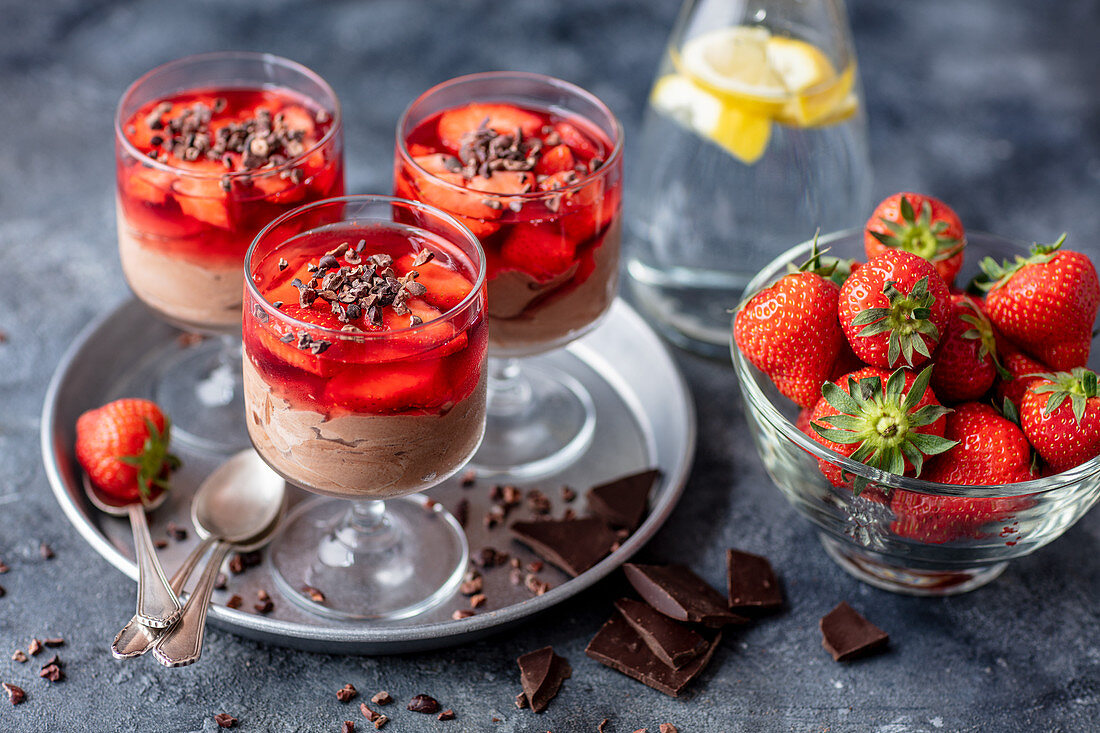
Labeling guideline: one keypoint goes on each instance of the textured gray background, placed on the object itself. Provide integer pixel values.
(993, 105)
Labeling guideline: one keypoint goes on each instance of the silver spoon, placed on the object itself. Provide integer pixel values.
(240, 505)
(157, 605)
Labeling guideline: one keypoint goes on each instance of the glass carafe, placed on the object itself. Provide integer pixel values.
(754, 137)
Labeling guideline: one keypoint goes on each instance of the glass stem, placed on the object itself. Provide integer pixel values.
(509, 389)
(364, 529)
(218, 388)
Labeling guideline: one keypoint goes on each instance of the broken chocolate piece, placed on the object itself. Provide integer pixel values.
(846, 634)
(574, 545)
(618, 646)
(623, 502)
(674, 643)
(542, 672)
(678, 593)
(751, 582)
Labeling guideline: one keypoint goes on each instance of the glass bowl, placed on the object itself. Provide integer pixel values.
(860, 533)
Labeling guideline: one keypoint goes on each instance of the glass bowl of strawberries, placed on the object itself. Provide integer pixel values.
(925, 396)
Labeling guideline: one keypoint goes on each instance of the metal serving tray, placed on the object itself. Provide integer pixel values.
(646, 419)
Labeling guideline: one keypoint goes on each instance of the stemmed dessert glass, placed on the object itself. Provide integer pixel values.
(365, 343)
(200, 170)
(551, 241)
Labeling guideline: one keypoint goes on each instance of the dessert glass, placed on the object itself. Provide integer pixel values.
(361, 411)
(189, 202)
(863, 534)
(551, 243)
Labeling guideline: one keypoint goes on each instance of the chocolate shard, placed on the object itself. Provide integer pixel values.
(541, 673)
(678, 593)
(623, 502)
(574, 545)
(618, 646)
(672, 642)
(751, 582)
(846, 634)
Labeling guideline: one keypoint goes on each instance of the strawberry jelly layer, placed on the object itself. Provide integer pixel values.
(185, 212)
(395, 369)
(541, 251)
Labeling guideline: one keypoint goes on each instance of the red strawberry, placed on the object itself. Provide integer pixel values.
(540, 250)
(1060, 415)
(920, 224)
(1046, 304)
(1014, 383)
(446, 287)
(123, 447)
(939, 519)
(888, 421)
(790, 332)
(504, 118)
(966, 360)
(991, 450)
(555, 160)
(894, 308)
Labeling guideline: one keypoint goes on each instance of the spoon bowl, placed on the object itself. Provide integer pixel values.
(240, 500)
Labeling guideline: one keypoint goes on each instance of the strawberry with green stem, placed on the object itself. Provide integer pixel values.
(894, 308)
(790, 330)
(1045, 304)
(966, 363)
(935, 233)
(888, 421)
(1060, 415)
(123, 448)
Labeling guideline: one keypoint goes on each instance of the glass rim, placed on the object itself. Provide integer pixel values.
(763, 407)
(612, 159)
(450, 313)
(324, 141)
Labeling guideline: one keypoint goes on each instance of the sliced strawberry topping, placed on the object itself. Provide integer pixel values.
(555, 160)
(504, 182)
(503, 118)
(383, 388)
(445, 287)
(577, 141)
(540, 250)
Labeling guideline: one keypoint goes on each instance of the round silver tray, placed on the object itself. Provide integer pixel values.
(646, 419)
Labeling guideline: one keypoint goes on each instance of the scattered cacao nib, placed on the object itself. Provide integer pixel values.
(514, 563)
(3, 568)
(188, 339)
(54, 641)
(234, 601)
(314, 594)
(16, 694)
(668, 728)
(494, 516)
(471, 586)
(225, 720)
(521, 700)
(477, 600)
(347, 727)
(469, 478)
(462, 512)
(373, 716)
(535, 566)
(510, 496)
(567, 494)
(447, 714)
(535, 585)
(19, 656)
(423, 704)
(346, 693)
(52, 672)
(382, 698)
(241, 561)
(46, 552)
(176, 532)
(423, 257)
(490, 557)
(264, 607)
(34, 647)
(603, 725)
(2, 591)
(484, 151)
(3, 337)
(515, 576)
(496, 492)
(570, 514)
(221, 581)
(160, 544)
(462, 613)
(538, 502)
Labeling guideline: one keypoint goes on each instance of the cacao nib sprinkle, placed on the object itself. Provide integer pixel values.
(346, 693)
(160, 544)
(447, 714)
(469, 478)
(19, 656)
(46, 551)
(225, 720)
(234, 602)
(2, 591)
(34, 647)
(3, 568)
(220, 581)
(52, 672)
(382, 698)
(55, 641)
(16, 694)
(462, 613)
(484, 150)
(176, 532)
(314, 594)
(478, 600)
(462, 512)
(373, 716)
(521, 700)
(347, 727)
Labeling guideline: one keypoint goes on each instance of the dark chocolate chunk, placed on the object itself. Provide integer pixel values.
(423, 704)
(846, 634)
(751, 582)
(677, 592)
(623, 502)
(574, 545)
(674, 643)
(620, 647)
(542, 672)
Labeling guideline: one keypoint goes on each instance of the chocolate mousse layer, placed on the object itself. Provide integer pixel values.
(193, 296)
(358, 455)
(517, 330)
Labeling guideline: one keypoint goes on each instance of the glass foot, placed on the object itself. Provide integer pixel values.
(370, 559)
(873, 570)
(538, 422)
(201, 391)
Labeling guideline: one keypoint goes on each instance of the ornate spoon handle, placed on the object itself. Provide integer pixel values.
(182, 644)
(157, 605)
